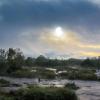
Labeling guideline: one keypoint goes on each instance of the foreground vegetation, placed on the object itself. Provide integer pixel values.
(4, 83)
(13, 63)
(40, 93)
(69, 73)
(79, 74)
(71, 86)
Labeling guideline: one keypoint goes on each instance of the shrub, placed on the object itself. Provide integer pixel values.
(6, 98)
(50, 93)
(23, 73)
(71, 86)
(4, 83)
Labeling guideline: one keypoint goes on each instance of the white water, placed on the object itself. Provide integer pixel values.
(89, 90)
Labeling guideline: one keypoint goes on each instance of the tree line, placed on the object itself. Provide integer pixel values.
(14, 59)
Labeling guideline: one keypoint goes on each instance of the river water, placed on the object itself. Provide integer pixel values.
(89, 90)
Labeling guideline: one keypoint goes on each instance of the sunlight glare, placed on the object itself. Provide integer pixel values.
(59, 32)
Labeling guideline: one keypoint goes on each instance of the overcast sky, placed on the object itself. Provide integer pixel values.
(31, 26)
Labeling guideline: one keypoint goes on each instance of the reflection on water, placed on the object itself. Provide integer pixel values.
(89, 90)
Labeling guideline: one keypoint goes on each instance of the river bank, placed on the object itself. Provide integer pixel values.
(89, 90)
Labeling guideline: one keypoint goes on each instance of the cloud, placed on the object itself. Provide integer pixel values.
(70, 43)
(59, 43)
(28, 24)
(97, 2)
(91, 46)
(35, 42)
(21, 11)
(90, 54)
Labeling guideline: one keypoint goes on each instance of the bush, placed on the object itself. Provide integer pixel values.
(4, 83)
(50, 93)
(79, 74)
(71, 86)
(24, 73)
(6, 98)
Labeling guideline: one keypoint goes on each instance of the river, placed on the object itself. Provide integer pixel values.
(89, 90)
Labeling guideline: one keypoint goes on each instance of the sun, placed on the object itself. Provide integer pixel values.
(58, 32)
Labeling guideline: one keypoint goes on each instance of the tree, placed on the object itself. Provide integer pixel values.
(41, 61)
(87, 63)
(15, 59)
(3, 61)
(29, 61)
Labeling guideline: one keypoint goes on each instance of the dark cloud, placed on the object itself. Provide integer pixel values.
(46, 13)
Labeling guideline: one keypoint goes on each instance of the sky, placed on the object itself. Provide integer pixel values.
(54, 28)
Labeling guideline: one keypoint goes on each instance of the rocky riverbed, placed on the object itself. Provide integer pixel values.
(89, 90)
